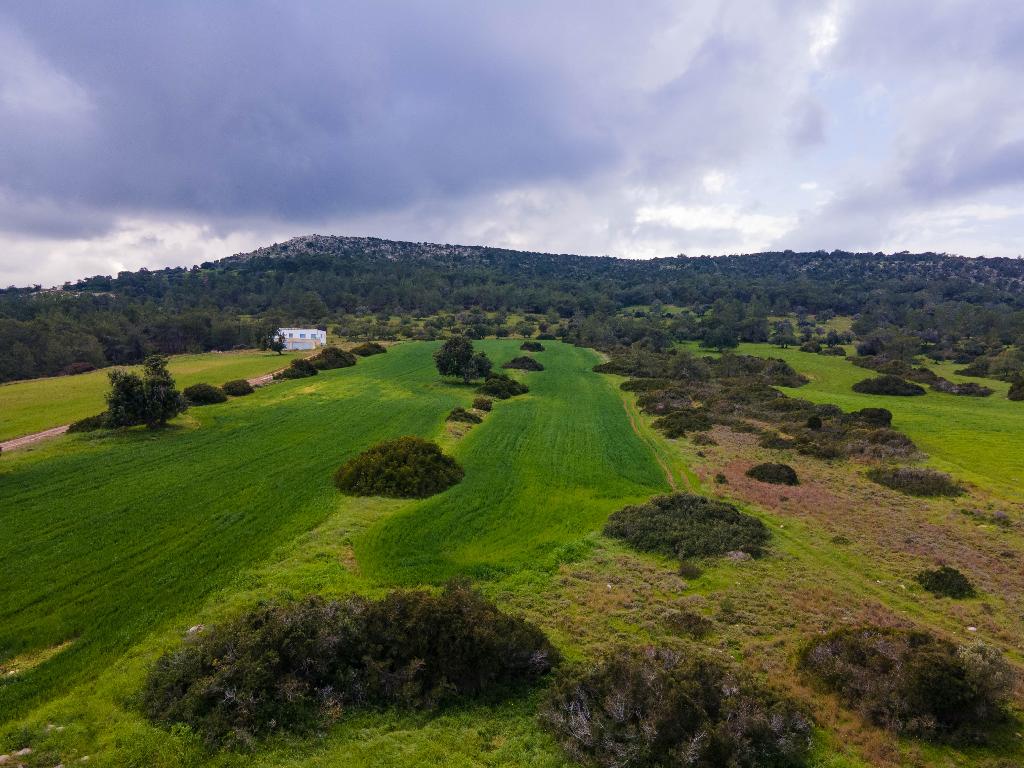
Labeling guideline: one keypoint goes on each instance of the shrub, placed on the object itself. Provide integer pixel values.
(76, 368)
(482, 403)
(461, 414)
(654, 708)
(721, 479)
(888, 385)
(679, 423)
(290, 666)
(968, 389)
(369, 348)
(916, 481)
(1016, 390)
(456, 357)
(814, 422)
(878, 417)
(545, 337)
(408, 467)
(523, 363)
(89, 423)
(204, 394)
(911, 681)
(531, 346)
(779, 474)
(686, 525)
(702, 438)
(299, 368)
(330, 358)
(150, 399)
(502, 387)
(833, 351)
(237, 388)
(945, 581)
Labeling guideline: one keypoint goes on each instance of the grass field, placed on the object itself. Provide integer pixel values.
(38, 404)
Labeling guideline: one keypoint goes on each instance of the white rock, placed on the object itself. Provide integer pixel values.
(972, 629)
(23, 752)
(195, 629)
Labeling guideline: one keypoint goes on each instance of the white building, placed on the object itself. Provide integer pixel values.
(302, 338)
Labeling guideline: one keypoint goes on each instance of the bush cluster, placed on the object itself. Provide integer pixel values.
(461, 414)
(1016, 390)
(887, 384)
(946, 581)
(409, 467)
(968, 389)
(89, 423)
(531, 346)
(680, 423)
(291, 666)
(330, 358)
(204, 394)
(687, 525)
(653, 708)
(876, 417)
(916, 481)
(523, 363)
(482, 403)
(910, 681)
(299, 368)
(779, 474)
(237, 388)
(502, 387)
(368, 348)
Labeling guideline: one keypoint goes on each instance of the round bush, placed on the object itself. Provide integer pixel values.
(330, 358)
(687, 525)
(814, 422)
(876, 417)
(369, 348)
(204, 394)
(916, 481)
(946, 581)
(461, 414)
(888, 385)
(299, 368)
(524, 363)
(237, 388)
(482, 403)
(531, 346)
(502, 387)
(779, 474)
(409, 467)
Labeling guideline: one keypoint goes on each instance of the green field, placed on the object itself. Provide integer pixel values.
(979, 439)
(38, 404)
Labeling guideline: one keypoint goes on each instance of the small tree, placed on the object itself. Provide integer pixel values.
(274, 341)
(783, 334)
(720, 338)
(456, 357)
(150, 399)
(126, 401)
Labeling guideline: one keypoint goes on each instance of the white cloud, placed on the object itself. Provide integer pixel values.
(714, 182)
(758, 226)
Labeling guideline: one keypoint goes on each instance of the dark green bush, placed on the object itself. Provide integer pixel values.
(679, 423)
(366, 349)
(945, 581)
(810, 346)
(916, 481)
(833, 352)
(878, 417)
(299, 368)
(482, 403)
(888, 385)
(204, 394)
(409, 467)
(686, 525)
(330, 358)
(545, 337)
(292, 666)
(1016, 390)
(968, 389)
(237, 388)
(779, 474)
(89, 423)
(502, 387)
(814, 422)
(461, 414)
(531, 346)
(523, 363)
(910, 681)
(651, 708)
(721, 479)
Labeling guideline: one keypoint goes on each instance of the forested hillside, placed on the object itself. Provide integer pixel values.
(356, 284)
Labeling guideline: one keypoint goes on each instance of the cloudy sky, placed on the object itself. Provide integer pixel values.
(166, 133)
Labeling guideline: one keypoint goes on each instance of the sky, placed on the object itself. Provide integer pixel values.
(170, 133)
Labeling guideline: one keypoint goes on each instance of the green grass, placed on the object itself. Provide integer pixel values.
(978, 439)
(38, 404)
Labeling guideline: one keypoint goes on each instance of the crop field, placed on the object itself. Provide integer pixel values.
(38, 404)
(115, 545)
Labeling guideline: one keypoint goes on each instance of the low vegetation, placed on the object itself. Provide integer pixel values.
(89, 423)
(502, 387)
(650, 708)
(686, 525)
(946, 581)
(887, 384)
(300, 368)
(369, 348)
(409, 467)
(531, 346)
(330, 358)
(461, 414)
(237, 388)
(523, 363)
(916, 481)
(293, 666)
(482, 403)
(204, 394)
(778, 474)
(911, 681)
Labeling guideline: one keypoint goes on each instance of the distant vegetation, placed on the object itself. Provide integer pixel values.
(409, 467)
(779, 474)
(294, 666)
(946, 581)
(911, 681)
(916, 481)
(686, 525)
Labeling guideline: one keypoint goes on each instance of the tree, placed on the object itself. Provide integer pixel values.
(456, 357)
(783, 334)
(720, 338)
(274, 341)
(150, 399)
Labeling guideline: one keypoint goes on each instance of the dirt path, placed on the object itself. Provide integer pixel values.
(46, 434)
(664, 467)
